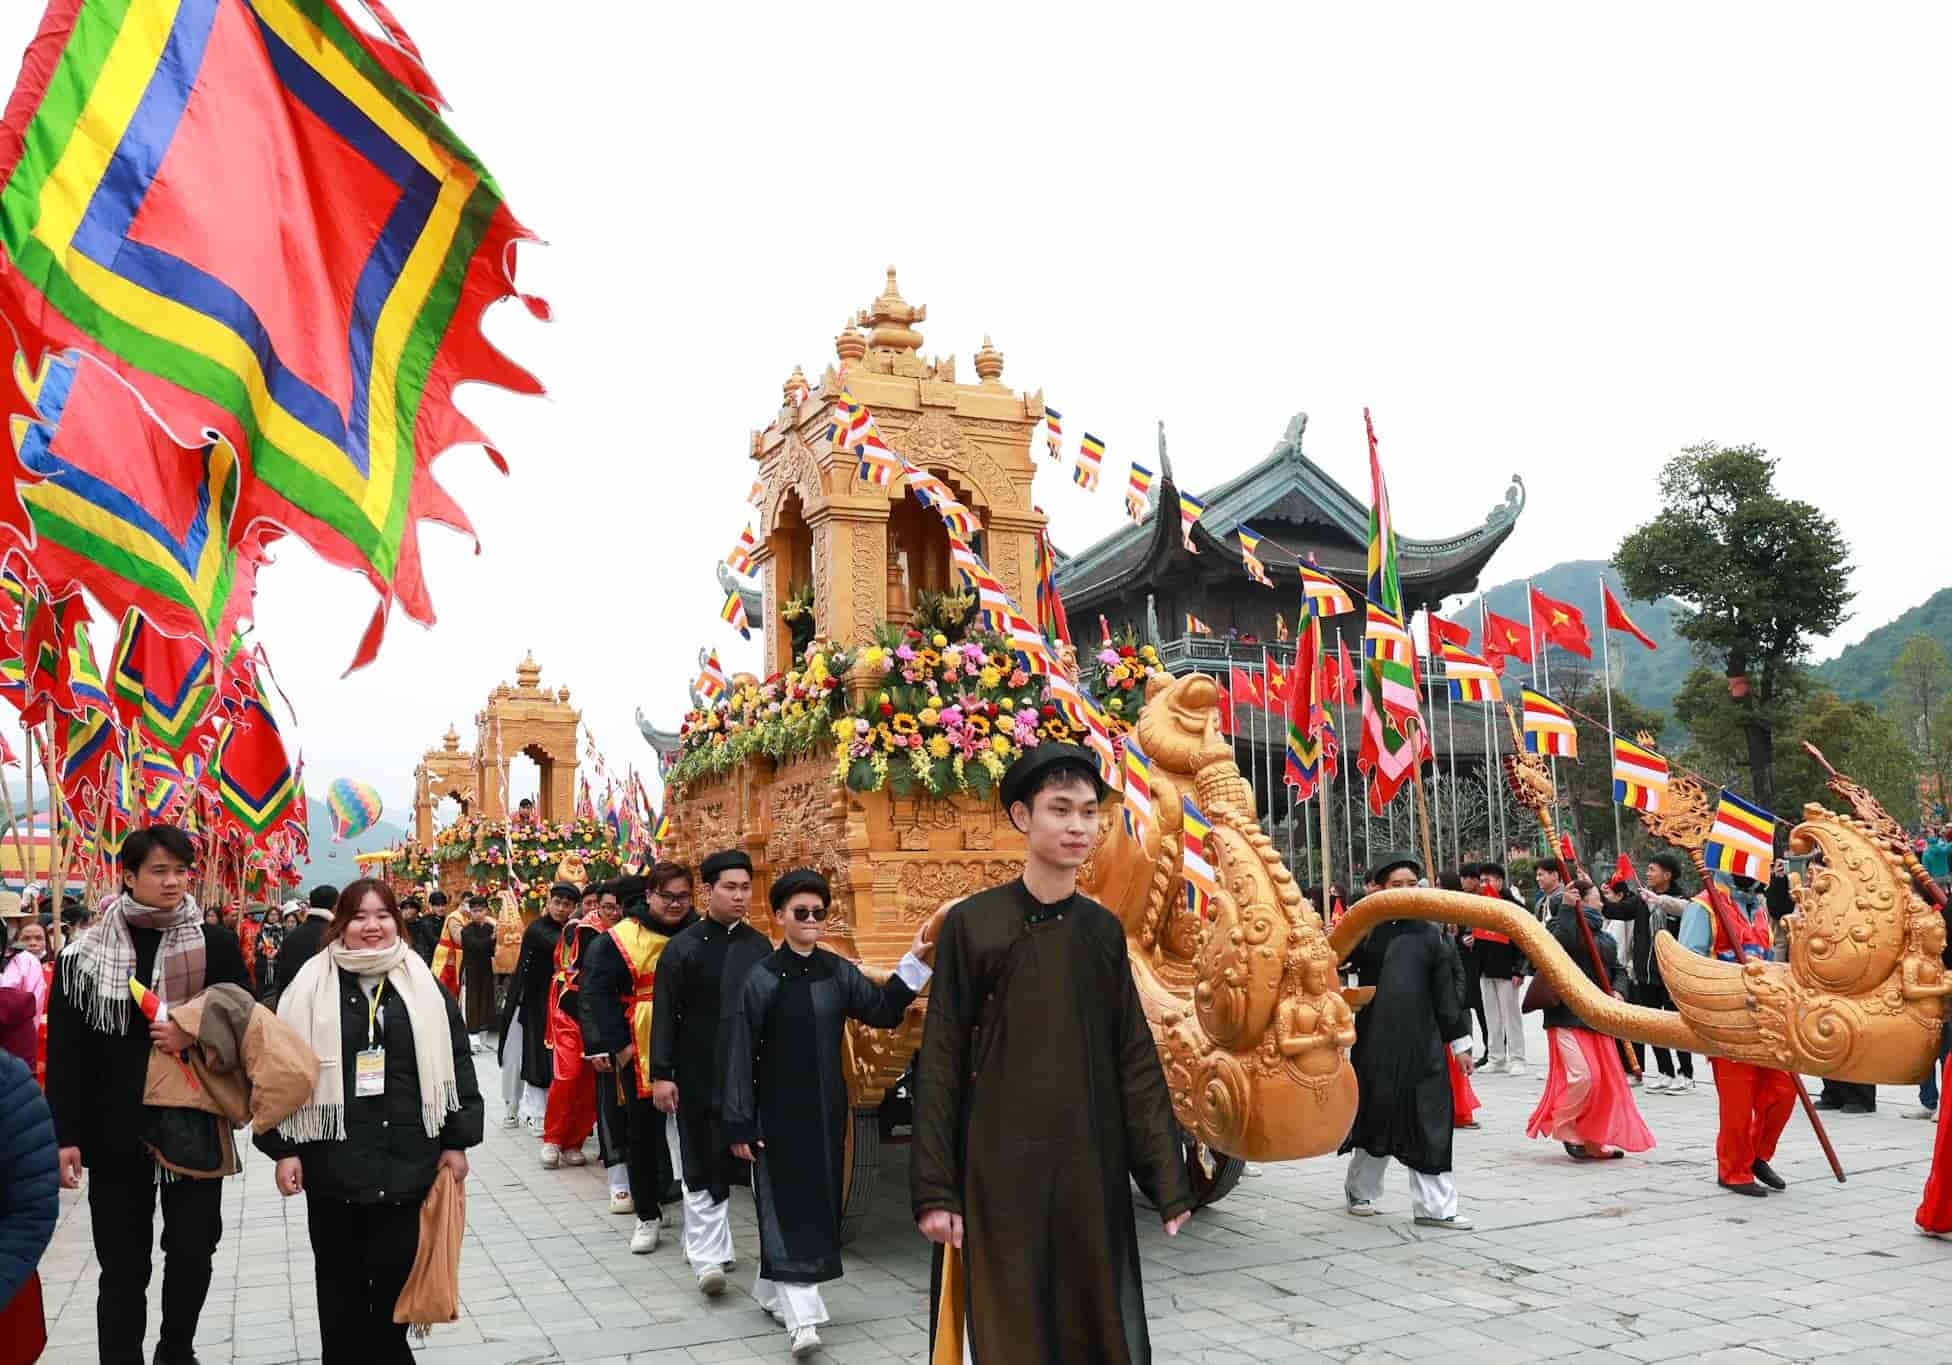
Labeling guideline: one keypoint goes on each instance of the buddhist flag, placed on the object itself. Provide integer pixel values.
(734, 614)
(1391, 713)
(879, 465)
(1504, 637)
(1471, 678)
(1250, 545)
(756, 495)
(1560, 623)
(1617, 618)
(740, 560)
(1091, 454)
(1050, 607)
(939, 498)
(711, 679)
(1138, 493)
(1743, 840)
(1195, 626)
(1137, 808)
(1639, 775)
(1388, 644)
(1330, 598)
(1548, 727)
(147, 1001)
(1306, 714)
(1201, 883)
(1081, 712)
(1054, 431)
(1190, 508)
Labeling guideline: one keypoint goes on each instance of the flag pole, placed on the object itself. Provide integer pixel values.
(1343, 761)
(1267, 749)
(1541, 659)
(1606, 671)
(1456, 819)
(1436, 769)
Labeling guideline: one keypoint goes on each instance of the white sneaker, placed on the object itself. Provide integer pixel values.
(1457, 1222)
(552, 1156)
(1654, 1085)
(1362, 1208)
(643, 1240)
(621, 1202)
(574, 1157)
(1928, 1115)
(1515, 1069)
(805, 1342)
(511, 1118)
(1495, 1067)
(1681, 1085)
(711, 1281)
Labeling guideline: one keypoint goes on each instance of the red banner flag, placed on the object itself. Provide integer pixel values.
(1247, 687)
(1444, 632)
(1617, 618)
(1504, 636)
(1561, 624)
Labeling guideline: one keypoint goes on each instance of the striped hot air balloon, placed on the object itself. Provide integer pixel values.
(354, 807)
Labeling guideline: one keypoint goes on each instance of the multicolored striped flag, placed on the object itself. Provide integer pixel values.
(734, 614)
(162, 685)
(1195, 626)
(1190, 509)
(998, 612)
(1138, 493)
(843, 417)
(1470, 677)
(740, 559)
(1639, 775)
(1392, 729)
(84, 678)
(1050, 607)
(711, 679)
(1082, 713)
(1548, 726)
(1386, 642)
(1091, 455)
(1201, 883)
(1054, 431)
(1329, 597)
(1250, 545)
(256, 783)
(1743, 840)
(939, 498)
(1307, 716)
(1136, 809)
(756, 495)
(87, 742)
(151, 152)
(879, 464)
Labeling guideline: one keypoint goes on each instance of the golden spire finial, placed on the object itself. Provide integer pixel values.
(528, 673)
(451, 741)
(989, 362)
(850, 345)
(795, 385)
(893, 319)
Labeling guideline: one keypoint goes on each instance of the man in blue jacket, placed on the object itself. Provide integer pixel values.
(30, 1182)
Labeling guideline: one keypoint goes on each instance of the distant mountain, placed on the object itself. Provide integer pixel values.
(332, 862)
(1650, 677)
(1863, 671)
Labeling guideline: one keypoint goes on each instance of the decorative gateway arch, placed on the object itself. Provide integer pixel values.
(526, 718)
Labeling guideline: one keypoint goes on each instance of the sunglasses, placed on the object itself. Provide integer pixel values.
(803, 913)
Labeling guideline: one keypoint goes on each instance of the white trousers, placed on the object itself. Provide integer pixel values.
(708, 1225)
(1504, 1025)
(800, 1305)
(1431, 1196)
(518, 1094)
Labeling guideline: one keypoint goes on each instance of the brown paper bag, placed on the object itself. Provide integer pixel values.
(432, 1292)
(950, 1311)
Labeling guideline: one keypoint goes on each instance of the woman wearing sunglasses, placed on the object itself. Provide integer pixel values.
(784, 1100)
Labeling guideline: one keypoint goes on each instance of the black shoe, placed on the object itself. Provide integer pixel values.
(1857, 1110)
(1753, 1190)
(165, 1356)
(1767, 1175)
(1826, 1104)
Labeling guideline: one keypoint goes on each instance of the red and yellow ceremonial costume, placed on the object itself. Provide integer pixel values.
(571, 1112)
(447, 956)
(1756, 1101)
(1935, 1209)
(641, 947)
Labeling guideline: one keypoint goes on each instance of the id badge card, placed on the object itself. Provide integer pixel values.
(369, 1073)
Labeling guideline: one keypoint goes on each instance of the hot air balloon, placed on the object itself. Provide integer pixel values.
(354, 806)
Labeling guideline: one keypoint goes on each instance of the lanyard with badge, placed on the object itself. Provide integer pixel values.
(369, 1067)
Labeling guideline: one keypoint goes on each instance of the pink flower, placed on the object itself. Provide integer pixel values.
(1108, 655)
(951, 716)
(905, 653)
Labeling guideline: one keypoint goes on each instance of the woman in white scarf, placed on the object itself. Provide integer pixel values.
(396, 1101)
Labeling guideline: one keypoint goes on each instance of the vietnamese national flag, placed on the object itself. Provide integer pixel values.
(1247, 687)
(1505, 637)
(1442, 632)
(1226, 705)
(1341, 677)
(1617, 618)
(1560, 623)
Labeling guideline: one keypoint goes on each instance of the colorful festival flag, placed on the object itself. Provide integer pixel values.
(939, 498)
(1392, 731)
(255, 779)
(1548, 726)
(1201, 883)
(1250, 545)
(1470, 677)
(1054, 431)
(1190, 509)
(734, 614)
(1195, 626)
(1743, 840)
(1091, 454)
(47, 631)
(1136, 809)
(1051, 619)
(1329, 597)
(1560, 623)
(1306, 714)
(756, 495)
(1639, 775)
(1617, 618)
(150, 151)
(1387, 643)
(1081, 712)
(1505, 638)
(711, 679)
(160, 684)
(740, 559)
(87, 742)
(1138, 493)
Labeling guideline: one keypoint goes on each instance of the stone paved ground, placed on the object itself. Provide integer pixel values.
(1632, 1261)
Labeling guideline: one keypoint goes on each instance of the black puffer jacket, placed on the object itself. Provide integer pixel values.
(30, 1181)
(1565, 929)
(386, 1157)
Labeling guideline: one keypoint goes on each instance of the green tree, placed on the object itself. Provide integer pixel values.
(1763, 576)
(1921, 698)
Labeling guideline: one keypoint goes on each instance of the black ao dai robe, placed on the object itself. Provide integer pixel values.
(1401, 1037)
(783, 1086)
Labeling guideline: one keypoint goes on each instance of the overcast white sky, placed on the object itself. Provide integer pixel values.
(1556, 240)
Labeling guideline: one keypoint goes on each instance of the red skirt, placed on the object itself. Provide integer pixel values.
(1586, 1097)
(1935, 1209)
(1464, 1103)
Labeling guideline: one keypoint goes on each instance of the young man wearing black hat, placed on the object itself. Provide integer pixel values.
(1417, 1012)
(1039, 1096)
(526, 1059)
(701, 969)
(784, 1101)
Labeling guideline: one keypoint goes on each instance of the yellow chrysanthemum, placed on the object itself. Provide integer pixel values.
(938, 746)
(990, 677)
(1000, 744)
